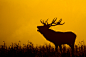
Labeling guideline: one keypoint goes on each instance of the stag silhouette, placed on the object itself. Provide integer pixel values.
(58, 38)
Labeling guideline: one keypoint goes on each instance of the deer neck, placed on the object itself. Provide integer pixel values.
(46, 32)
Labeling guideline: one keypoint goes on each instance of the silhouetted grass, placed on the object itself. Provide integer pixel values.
(15, 50)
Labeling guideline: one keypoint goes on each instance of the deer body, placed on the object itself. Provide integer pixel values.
(58, 38)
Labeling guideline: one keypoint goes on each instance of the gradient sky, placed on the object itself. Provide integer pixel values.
(19, 19)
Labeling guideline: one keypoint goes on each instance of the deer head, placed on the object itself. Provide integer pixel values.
(47, 26)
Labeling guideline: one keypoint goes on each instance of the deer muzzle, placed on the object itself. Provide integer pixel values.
(37, 28)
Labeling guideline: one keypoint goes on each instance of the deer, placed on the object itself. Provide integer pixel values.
(57, 37)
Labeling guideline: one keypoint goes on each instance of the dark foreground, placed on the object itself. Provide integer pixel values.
(15, 50)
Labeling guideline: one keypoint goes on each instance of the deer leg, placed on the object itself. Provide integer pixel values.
(72, 47)
(56, 48)
(60, 48)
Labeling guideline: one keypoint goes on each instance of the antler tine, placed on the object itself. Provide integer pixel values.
(43, 22)
(53, 21)
(60, 20)
(58, 23)
(46, 21)
(62, 23)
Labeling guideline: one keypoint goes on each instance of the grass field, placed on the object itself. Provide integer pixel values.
(15, 50)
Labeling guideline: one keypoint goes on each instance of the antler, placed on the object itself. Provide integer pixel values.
(45, 22)
(57, 23)
(53, 22)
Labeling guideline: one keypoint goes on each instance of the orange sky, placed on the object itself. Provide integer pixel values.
(19, 19)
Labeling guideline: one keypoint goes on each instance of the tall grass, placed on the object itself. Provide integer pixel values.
(15, 50)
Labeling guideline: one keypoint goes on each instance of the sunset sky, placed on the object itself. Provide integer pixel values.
(19, 19)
